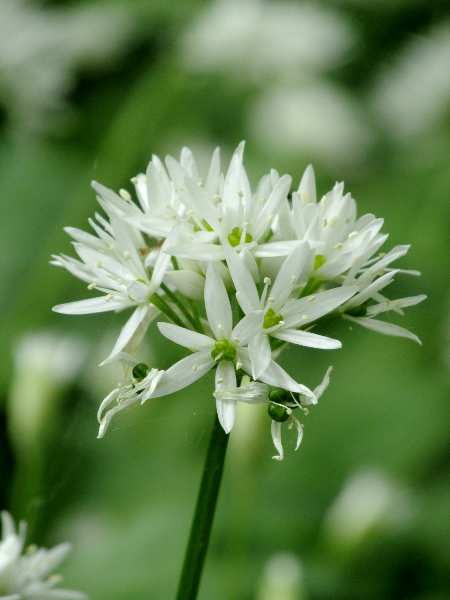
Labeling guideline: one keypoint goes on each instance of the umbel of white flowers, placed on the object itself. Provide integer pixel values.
(27, 576)
(236, 274)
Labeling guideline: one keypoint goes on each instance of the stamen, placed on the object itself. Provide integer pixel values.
(262, 200)
(217, 198)
(91, 286)
(111, 247)
(220, 380)
(99, 264)
(108, 297)
(311, 298)
(236, 340)
(332, 222)
(324, 222)
(193, 348)
(269, 218)
(293, 279)
(200, 183)
(240, 194)
(194, 367)
(352, 235)
(127, 255)
(267, 281)
(220, 327)
(119, 281)
(338, 246)
(238, 365)
(125, 195)
(323, 201)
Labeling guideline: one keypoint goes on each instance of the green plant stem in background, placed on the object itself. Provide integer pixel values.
(204, 514)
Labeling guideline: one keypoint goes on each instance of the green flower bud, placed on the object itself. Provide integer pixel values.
(235, 237)
(319, 260)
(140, 371)
(277, 413)
(271, 319)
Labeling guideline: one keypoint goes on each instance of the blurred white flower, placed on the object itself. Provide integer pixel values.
(412, 92)
(282, 578)
(43, 364)
(314, 119)
(41, 48)
(368, 500)
(28, 576)
(257, 39)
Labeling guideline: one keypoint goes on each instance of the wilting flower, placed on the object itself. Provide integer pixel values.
(28, 576)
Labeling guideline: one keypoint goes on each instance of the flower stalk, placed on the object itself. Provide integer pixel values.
(197, 545)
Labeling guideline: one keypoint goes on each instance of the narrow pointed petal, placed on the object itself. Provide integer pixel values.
(306, 338)
(248, 327)
(91, 305)
(260, 354)
(185, 337)
(184, 372)
(217, 304)
(242, 279)
(382, 327)
(316, 306)
(226, 408)
(395, 304)
(319, 390)
(289, 273)
(254, 393)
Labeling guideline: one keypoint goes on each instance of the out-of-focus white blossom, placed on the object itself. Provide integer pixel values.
(261, 40)
(282, 578)
(412, 93)
(28, 576)
(41, 48)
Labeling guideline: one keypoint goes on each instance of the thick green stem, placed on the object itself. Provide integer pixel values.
(204, 514)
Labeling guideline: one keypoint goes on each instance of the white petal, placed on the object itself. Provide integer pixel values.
(217, 304)
(189, 283)
(185, 337)
(242, 279)
(132, 332)
(395, 304)
(254, 393)
(200, 251)
(291, 268)
(275, 430)
(184, 372)
(281, 248)
(248, 327)
(260, 354)
(315, 306)
(323, 386)
(91, 305)
(382, 327)
(306, 338)
(364, 295)
(226, 409)
(307, 187)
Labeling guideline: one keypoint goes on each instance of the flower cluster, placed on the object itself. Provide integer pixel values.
(27, 576)
(237, 274)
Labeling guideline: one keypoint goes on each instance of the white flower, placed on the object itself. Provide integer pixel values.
(27, 576)
(226, 348)
(281, 403)
(138, 388)
(284, 314)
(115, 263)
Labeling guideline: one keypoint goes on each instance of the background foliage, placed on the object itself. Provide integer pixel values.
(361, 88)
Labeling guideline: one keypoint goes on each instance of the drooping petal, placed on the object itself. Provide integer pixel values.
(226, 408)
(254, 393)
(319, 390)
(382, 327)
(275, 429)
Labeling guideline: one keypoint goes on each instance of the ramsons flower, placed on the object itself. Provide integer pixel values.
(27, 576)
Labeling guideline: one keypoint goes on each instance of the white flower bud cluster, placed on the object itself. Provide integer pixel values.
(237, 273)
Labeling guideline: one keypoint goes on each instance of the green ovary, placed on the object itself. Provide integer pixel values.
(319, 260)
(223, 348)
(271, 319)
(235, 237)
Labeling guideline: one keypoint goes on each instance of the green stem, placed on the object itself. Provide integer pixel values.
(165, 308)
(196, 316)
(180, 305)
(204, 514)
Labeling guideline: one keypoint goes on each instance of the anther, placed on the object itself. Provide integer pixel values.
(305, 317)
(293, 279)
(217, 198)
(182, 187)
(240, 194)
(91, 286)
(261, 200)
(125, 195)
(220, 380)
(99, 264)
(311, 298)
(323, 202)
(236, 340)
(200, 183)
(271, 299)
(282, 323)
(338, 246)
(269, 218)
(190, 212)
(111, 247)
(352, 235)
(194, 367)
(134, 180)
(238, 365)
(324, 222)
(220, 327)
(193, 349)
(127, 255)
(119, 281)
(219, 218)
(108, 297)
(267, 281)
(102, 252)
(332, 222)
